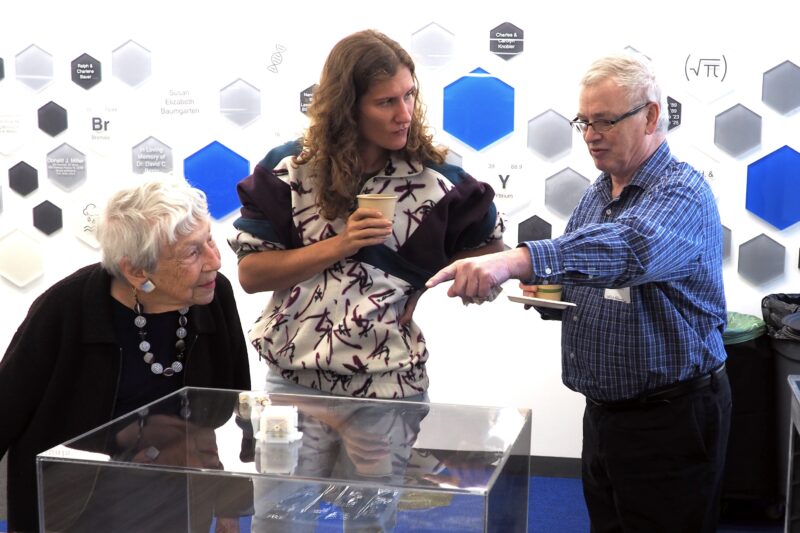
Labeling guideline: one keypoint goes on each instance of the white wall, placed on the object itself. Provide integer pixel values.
(494, 354)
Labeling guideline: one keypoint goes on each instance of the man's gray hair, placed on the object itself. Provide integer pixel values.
(138, 221)
(636, 74)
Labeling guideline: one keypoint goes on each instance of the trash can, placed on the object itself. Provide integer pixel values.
(781, 314)
(751, 468)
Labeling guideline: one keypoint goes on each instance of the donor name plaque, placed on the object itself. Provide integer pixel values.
(66, 166)
(151, 155)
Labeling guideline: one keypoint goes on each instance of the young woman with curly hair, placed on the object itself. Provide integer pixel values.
(345, 280)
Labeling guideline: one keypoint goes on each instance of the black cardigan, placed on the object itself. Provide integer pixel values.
(59, 376)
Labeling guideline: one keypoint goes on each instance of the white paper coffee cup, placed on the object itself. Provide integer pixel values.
(385, 203)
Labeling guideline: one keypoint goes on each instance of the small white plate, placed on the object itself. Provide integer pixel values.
(540, 302)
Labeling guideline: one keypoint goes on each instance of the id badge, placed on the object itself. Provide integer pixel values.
(620, 295)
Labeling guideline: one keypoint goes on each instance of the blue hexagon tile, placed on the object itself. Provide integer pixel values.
(479, 109)
(216, 169)
(773, 187)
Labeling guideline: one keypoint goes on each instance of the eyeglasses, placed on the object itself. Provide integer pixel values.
(602, 125)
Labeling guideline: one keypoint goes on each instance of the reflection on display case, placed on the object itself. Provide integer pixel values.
(286, 462)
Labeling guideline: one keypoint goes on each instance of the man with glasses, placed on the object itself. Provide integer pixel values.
(641, 257)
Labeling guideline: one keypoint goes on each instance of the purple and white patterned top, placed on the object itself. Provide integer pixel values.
(338, 331)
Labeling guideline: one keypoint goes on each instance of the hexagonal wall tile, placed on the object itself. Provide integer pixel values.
(23, 178)
(737, 130)
(52, 118)
(34, 67)
(479, 109)
(432, 45)
(151, 155)
(2, 69)
(506, 40)
(240, 102)
(306, 95)
(780, 88)
(216, 169)
(550, 135)
(761, 259)
(534, 229)
(66, 166)
(563, 191)
(47, 217)
(21, 259)
(86, 71)
(773, 187)
(726, 243)
(130, 63)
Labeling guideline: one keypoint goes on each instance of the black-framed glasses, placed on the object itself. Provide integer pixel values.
(602, 125)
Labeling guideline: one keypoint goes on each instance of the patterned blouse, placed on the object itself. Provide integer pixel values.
(338, 331)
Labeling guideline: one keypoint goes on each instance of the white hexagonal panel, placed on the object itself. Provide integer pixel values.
(21, 260)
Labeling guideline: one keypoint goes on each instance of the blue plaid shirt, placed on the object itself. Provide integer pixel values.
(662, 240)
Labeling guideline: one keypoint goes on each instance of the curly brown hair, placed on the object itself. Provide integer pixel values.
(331, 140)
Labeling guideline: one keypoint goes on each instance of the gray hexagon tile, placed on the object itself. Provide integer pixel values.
(432, 45)
(21, 260)
(86, 71)
(773, 187)
(550, 135)
(780, 88)
(151, 155)
(66, 166)
(2, 69)
(737, 130)
(726, 243)
(34, 67)
(563, 191)
(47, 217)
(506, 40)
(761, 259)
(23, 178)
(52, 119)
(1, 200)
(131, 63)
(240, 102)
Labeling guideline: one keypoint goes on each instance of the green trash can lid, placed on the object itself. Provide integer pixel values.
(742, 327)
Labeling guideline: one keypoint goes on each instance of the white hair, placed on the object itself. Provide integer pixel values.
(138, 221)
(636, 74)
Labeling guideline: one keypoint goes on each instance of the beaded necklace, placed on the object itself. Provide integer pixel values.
(180, 345)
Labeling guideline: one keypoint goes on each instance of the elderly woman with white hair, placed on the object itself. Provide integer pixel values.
(78, 359)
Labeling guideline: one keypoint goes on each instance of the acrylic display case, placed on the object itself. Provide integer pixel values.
(284, 462)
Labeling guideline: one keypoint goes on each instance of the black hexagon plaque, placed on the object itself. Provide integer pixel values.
(23, 178)
(86, 71)
(47, 217)
(52, 118)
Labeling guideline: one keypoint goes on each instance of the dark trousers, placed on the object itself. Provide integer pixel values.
(658, 466)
